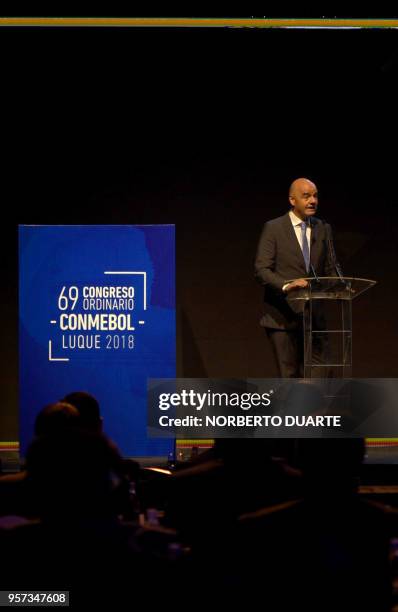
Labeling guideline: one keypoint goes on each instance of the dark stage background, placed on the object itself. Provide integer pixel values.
(205, 129)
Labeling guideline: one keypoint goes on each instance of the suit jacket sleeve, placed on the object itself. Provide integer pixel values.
(266, 258)
(332, 266)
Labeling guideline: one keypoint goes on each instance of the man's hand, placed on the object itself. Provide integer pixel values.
(299, 283)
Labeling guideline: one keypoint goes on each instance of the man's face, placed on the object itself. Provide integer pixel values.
(304, 200)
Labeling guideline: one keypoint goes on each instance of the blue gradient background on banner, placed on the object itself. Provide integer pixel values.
(52, 257)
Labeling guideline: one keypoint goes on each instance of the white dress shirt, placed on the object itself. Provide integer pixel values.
(296, 222)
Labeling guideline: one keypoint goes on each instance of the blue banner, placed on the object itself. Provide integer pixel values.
(97, 314)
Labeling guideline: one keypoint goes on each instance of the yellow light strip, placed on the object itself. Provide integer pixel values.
(370, 440)
(195, 441)
(183, 22)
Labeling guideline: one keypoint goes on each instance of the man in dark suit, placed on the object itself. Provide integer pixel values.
(294, 246)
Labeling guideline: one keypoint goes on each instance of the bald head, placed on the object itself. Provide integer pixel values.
(303, 197)
(299, 185)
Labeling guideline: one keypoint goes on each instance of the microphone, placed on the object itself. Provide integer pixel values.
(312, 242)
(332, 254)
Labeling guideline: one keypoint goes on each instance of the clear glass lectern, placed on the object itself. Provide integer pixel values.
(342, 290)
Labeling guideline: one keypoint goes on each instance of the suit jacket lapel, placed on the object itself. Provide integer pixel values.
(314, 239)
(291, 234)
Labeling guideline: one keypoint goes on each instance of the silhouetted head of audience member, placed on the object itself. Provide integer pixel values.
(55, 418)
(89, 410)
(331, 463)
(252, 453)
(73, 475)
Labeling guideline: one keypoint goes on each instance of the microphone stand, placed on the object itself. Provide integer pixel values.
(314, 274)
(333, 258)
